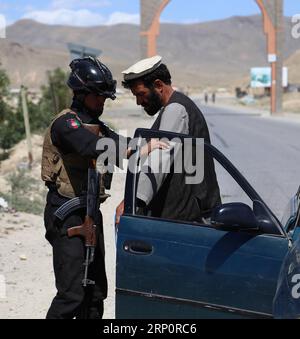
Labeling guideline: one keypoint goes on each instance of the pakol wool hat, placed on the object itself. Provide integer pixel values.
(141, 68)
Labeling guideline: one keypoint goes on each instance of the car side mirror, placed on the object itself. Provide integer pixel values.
(234, 217)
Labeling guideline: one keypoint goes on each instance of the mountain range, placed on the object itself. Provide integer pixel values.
(216, 53)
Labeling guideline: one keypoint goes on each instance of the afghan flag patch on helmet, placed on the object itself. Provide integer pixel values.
(73, 123)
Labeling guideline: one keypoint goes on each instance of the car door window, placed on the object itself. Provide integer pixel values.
(229, 189)
(233, 189)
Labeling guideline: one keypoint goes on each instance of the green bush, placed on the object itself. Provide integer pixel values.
(24, 193)
(10, 127)
(56, 96)
(4, 84)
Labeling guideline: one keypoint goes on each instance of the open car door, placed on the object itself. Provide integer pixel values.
(176, 269)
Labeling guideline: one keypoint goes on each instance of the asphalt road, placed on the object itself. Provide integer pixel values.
(266, 150)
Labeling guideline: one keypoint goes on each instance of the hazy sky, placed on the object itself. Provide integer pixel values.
(97, 12)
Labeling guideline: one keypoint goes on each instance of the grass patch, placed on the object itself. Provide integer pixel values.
(25, 195)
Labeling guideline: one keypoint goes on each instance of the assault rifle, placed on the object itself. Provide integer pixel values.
(92, 204)
(88, 229)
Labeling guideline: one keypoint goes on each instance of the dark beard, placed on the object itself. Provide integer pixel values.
(155, 103)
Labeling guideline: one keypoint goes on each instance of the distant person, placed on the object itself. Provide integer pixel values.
(213, 98)
(150, 82)
(206, 98)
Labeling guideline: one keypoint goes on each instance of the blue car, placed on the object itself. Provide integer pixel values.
(224, 267)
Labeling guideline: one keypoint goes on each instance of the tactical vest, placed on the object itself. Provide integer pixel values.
(69, 172)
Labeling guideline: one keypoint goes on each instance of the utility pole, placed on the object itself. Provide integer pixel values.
(272, 11)
(279, 24)
(27, 125)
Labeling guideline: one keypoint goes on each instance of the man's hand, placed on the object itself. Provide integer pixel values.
(119, 212)
(152, 145)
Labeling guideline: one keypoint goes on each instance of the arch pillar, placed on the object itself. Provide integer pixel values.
(272, 12)
(150, 25)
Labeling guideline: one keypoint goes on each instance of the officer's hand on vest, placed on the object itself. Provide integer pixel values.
(119, 212)
(152, 145)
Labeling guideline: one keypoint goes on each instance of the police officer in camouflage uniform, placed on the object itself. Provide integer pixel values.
(69, 146)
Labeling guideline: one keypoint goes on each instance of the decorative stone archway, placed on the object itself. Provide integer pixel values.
(272, 12)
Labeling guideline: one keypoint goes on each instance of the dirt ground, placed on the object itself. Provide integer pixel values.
(26, 262)
(26, 274)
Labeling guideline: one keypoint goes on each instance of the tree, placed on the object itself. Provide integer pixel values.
(4, 84)
(11, 124)
(56, 96)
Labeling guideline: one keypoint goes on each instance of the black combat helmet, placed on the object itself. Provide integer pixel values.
(91, 76)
